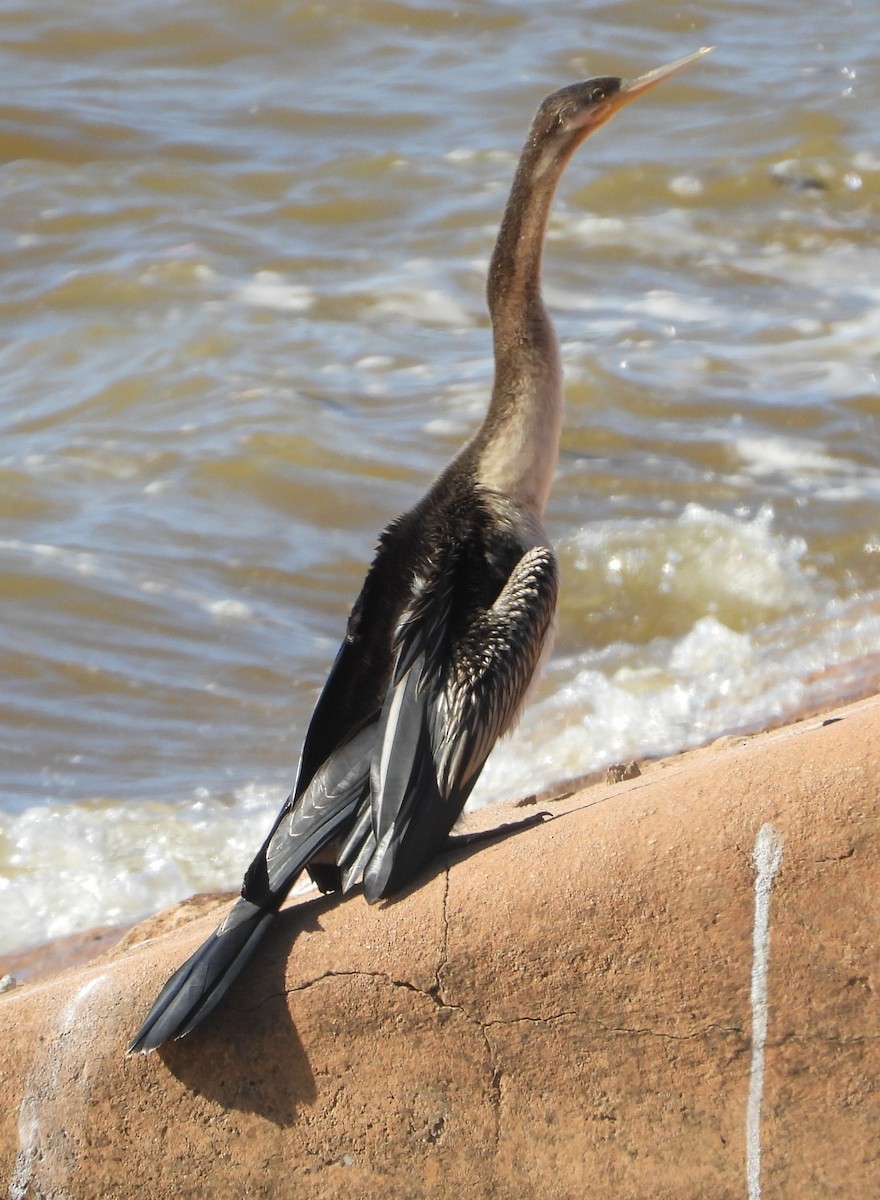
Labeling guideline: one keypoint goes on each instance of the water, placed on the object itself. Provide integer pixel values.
(244, 251)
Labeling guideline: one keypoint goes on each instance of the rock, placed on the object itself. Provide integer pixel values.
(39, 962)
(618, 772)
(666, 988)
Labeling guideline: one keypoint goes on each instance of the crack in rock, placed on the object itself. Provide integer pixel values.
(665, 1035)
(444, 946)
(437, 1000)
(829, 1039)
(530, 1020)
(495, 1094)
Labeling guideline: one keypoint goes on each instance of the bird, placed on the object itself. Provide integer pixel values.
(453, 620)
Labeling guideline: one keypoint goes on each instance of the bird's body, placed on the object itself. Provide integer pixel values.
(453, 619)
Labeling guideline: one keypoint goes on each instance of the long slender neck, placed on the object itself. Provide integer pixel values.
(515, 269)
(518, 443)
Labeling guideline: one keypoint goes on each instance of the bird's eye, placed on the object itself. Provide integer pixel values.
(597, 94)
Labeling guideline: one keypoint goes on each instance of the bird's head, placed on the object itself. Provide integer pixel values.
(574, 112)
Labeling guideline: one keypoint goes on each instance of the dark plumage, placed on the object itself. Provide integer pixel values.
(450, 627)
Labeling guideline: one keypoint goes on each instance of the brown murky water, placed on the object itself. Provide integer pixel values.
(242, 326)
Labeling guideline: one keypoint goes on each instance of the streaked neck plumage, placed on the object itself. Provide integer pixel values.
(518, 444)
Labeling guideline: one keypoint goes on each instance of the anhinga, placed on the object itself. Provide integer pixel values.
(454, 617)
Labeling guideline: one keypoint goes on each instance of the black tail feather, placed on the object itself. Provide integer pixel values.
(198, 986)
(304, 826)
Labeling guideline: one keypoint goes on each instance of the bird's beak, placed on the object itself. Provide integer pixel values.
(631, 88)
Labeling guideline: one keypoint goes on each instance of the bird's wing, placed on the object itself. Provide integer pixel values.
(305, 825)
(453, 693)
(495, 664)
(356, 684)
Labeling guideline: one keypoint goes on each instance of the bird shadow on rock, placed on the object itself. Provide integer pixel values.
(248, 1055)
(461, 846)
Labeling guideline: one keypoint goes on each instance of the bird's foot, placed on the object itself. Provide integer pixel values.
(455, 841)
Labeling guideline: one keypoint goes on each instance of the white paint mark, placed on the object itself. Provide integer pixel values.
(28, 1139)
(766, 856)
(37, 1150)
(68, 1017)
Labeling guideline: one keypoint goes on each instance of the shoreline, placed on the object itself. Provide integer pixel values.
(43, 960)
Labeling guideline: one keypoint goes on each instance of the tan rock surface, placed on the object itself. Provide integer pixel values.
(565, 1012)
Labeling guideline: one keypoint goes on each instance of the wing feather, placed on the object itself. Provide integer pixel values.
(456, 688)
(495, 664)
(305, 826)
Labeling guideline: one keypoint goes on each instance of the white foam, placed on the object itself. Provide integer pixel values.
(267, 289)
(686, 185)
(65, 868)
(669, 306)
(696, 559)
(430, 305)
(807, 467)
(865, 161)
(631, 699)
(764, 456)
(80, 562)
(374, 362)
(227, 608)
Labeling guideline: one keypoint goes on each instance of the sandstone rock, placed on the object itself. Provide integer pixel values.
(39, 962)
(570, 1011)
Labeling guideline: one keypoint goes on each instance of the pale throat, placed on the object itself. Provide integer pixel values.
(519, 446)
